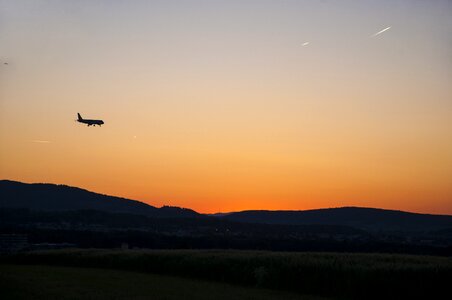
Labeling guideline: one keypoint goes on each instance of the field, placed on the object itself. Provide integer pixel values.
(236, 274)
(50, 282)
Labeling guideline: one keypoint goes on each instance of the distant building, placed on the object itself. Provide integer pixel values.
(10, 243)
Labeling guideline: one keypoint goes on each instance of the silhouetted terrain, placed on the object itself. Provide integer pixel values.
(51, 197)
(358, 217)
(55, 214)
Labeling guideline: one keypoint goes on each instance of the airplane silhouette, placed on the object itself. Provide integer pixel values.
(88, 121)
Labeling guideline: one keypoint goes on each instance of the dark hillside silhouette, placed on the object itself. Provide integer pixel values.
(364, 218)
(51, 197)
(49, 213)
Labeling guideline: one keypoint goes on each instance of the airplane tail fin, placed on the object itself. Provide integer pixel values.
(79, 117)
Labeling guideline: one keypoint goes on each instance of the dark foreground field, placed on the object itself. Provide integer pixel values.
(53, 282)
(208, 274)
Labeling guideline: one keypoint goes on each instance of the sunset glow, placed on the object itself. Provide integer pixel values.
(232, 105)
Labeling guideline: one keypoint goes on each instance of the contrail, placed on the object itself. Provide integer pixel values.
(381, 31)
(42, 142)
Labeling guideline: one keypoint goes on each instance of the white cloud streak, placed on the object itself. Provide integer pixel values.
(41, 141)
(381, 31)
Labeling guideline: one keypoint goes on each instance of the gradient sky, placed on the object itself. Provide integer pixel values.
(218, 105)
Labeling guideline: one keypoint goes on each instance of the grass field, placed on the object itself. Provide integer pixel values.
(336, 275)
(50, 282)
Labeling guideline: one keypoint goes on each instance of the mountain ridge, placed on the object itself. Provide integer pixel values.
(60, 197)
(53, 197)
(358, 217)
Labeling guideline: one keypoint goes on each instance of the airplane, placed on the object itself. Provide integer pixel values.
(88, 121)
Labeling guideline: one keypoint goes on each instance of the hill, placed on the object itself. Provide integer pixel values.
(358, 217)
(57, 214)
(52, 197)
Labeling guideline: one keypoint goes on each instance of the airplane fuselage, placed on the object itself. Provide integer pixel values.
(89, 122)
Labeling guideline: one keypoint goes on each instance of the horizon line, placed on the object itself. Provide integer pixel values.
(229, 212)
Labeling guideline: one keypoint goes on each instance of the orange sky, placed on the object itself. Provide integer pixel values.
(218, 106)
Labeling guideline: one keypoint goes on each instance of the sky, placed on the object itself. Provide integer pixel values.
(232, 105)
